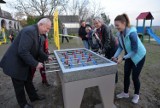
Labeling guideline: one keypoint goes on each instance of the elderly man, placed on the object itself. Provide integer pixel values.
(23, 55)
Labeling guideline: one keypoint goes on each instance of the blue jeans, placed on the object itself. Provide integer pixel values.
(86, 44)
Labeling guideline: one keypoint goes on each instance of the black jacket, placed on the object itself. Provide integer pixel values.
(108, 40)
(23, 54)
(82, 33)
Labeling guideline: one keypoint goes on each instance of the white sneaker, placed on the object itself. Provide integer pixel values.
(135, 99)
(123, 95)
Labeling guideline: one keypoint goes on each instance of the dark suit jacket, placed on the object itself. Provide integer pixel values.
(23, 54)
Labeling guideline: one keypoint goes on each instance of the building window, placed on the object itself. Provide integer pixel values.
(3, 23)
(10, 24)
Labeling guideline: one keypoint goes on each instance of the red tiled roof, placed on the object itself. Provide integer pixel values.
(145, 15)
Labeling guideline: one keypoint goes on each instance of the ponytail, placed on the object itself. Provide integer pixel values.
(127, 19)
(123, 18)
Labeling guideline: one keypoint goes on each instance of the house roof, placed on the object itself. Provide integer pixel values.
(5, 14)
(145, 15)
(68, 18)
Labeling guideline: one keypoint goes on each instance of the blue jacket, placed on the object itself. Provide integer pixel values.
(135, 56)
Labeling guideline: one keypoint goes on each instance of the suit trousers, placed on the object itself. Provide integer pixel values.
(20, 86)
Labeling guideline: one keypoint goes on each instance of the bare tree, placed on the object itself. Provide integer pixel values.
(19, 15)
(96, 8)
(79, 7)
(83, 9)
(105, 18)
(64, 7)
(36, 7)
(73, 7)
(21, 6)
(53, 5)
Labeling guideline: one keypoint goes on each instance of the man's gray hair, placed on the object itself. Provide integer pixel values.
(98, 19)
(44, 21)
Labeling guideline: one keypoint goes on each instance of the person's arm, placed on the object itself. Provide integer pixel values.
(42, 55)
(25, 44)
(134, 45)
(118, 52)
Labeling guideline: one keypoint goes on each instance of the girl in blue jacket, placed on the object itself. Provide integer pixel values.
(134, 55)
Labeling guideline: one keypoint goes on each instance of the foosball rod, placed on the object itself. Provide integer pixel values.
(48, 64)
(52, 71)
(53, 67)
(81, 58)
(81, 63)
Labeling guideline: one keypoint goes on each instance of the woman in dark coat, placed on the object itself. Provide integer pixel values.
(107, 40)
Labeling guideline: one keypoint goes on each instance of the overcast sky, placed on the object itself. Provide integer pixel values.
(115, 7)
(133, 8)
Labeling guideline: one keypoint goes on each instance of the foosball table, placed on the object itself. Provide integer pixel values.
(81, 68)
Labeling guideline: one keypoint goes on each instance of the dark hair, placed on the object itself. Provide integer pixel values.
(123, 18)
(82, 21)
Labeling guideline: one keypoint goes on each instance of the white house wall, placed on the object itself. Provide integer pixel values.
(13, 22)
(71, 25)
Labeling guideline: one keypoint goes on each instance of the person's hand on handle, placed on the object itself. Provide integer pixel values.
(50, 58)
(100, 51)
(114, 59)
(49, 52)
(39, 66)
(120, 59)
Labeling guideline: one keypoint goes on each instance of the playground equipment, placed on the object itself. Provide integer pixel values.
(3, 39)
(153, 35)
(142, 30)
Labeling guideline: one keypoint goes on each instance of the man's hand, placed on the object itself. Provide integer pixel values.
(50, 58)
(39, 66)
(49, 52)
(101, 51)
